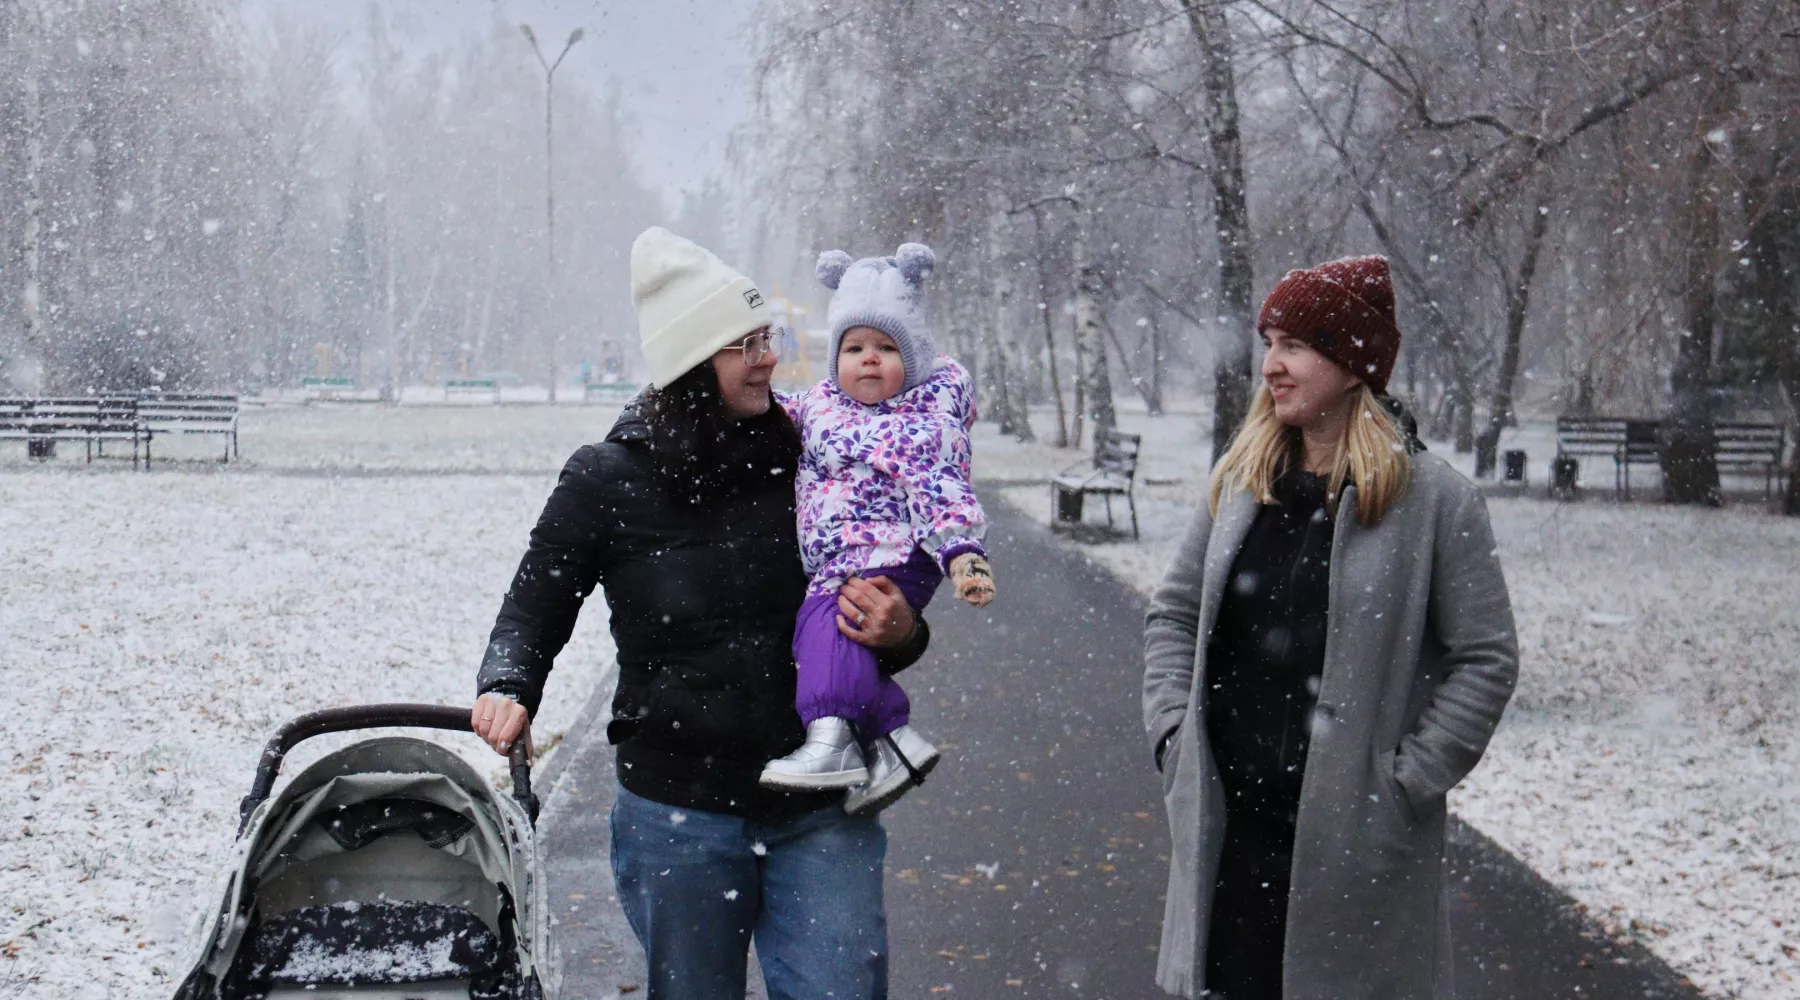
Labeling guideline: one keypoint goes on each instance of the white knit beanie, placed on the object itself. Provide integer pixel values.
(887, 293)
(689, 303)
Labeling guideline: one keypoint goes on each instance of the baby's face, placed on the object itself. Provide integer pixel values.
(869, 365)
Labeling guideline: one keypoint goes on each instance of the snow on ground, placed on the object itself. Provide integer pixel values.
(1648, 767)
(533, 440)
(155, 627)
(1647, 763)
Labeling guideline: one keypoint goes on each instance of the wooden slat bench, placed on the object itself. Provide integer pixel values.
(1740, 446)
(605, 392)
(328, 388)
(94, 420)
(1752, 447)
(472, 387)
(1111, 472)
(1627, 441)
(190, 413)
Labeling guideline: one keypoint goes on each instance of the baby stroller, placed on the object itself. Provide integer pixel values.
(388, 870)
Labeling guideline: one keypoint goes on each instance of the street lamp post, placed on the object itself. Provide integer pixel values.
(549, 181)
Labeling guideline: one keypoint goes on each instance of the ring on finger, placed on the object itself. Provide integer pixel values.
(861, 617)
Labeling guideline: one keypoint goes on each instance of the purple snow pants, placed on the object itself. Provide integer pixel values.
(839, 677)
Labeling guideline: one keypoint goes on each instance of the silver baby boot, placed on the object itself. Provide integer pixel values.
(902, 760)
(830, 758)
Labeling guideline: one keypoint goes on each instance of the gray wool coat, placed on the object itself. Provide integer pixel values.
(1420, 660)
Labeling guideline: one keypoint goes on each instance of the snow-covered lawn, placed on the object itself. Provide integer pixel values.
(366, 437)
(1648, 763)
(153, 628)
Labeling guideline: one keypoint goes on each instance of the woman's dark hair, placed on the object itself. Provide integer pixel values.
(700, 453)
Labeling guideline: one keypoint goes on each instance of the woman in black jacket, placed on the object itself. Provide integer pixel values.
(684, 516)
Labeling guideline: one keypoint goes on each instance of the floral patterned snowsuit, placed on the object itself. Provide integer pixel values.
(883, 490)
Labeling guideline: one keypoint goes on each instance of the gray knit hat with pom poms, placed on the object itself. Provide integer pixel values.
(886, 293)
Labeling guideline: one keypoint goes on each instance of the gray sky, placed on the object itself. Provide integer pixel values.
(683, 64)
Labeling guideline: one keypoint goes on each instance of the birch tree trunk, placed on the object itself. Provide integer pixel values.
(1231, 218)
(1093, 385)
(1153, 392)
(1044, 310)
(1090, 337)
(31, 242)
(1010, 372)
(390, 304)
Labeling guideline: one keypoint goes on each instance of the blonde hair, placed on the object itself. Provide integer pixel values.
(1373, 455)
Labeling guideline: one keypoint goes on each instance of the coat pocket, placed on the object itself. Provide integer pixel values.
(1171, 757)
(1398, 804)
(631, 705)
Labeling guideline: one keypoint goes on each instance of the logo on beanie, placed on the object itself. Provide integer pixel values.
(753, 297)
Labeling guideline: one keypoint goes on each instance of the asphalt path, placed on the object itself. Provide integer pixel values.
(1033, 863)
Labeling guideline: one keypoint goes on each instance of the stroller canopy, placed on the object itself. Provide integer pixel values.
(389, 863)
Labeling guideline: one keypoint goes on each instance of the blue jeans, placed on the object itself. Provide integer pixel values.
(697, 887)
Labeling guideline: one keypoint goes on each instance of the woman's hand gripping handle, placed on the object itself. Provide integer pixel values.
(499, 720)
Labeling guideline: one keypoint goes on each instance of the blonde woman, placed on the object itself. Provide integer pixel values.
(1327, 657)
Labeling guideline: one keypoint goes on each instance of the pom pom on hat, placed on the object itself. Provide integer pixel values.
(915, 261)
(831, 267)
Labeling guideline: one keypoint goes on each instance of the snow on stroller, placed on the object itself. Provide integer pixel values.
(388, 870)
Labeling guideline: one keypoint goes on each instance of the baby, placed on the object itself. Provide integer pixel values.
(883, 490)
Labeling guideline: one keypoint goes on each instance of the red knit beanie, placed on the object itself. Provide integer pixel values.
(1345, 311)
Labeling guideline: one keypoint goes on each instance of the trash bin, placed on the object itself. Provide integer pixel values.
(1513, 466)
(1065, 504)
(39, 444)
(1565, 470)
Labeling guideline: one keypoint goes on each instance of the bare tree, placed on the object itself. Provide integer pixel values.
(1438, 134)
(1518, 303)
(1045, 313)
(1231, 220)
(1689, 451)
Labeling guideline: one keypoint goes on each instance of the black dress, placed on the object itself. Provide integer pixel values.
(1264, 660)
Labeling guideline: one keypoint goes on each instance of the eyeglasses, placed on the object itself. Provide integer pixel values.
(760, 345)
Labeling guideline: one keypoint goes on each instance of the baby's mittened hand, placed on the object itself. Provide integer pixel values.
(974, 579)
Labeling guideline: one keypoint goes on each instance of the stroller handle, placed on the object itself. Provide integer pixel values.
(338, 720)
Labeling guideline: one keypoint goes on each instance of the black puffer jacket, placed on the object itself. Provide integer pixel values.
(703, 601)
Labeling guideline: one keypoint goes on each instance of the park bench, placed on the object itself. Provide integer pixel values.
(189, 413)
(1626, 441)
(1739, 446)
(472, 387)
(327, 388)
(608, 392)
(40, 423)
(1111, 472)
(1747, 447)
